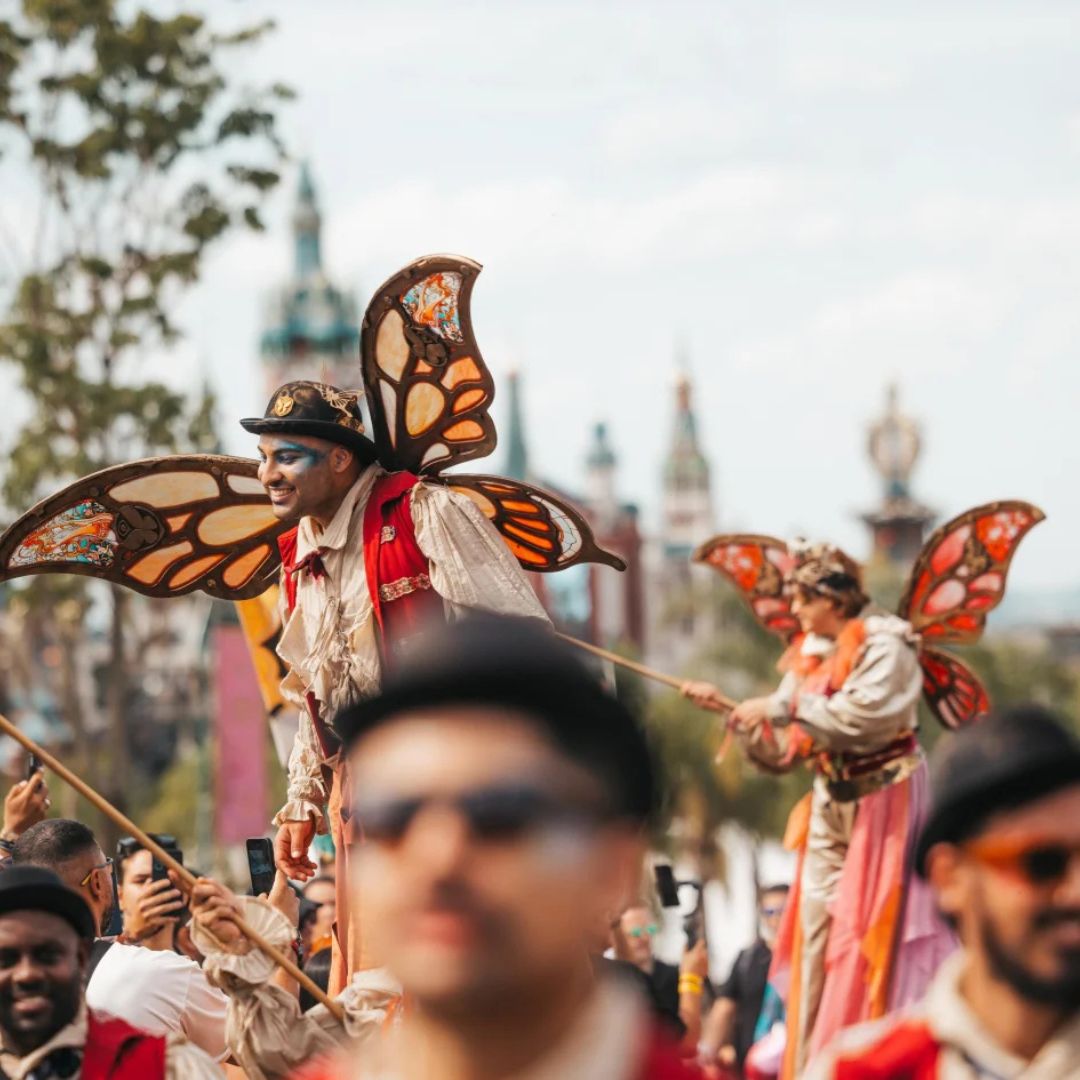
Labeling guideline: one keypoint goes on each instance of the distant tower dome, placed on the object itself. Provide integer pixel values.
(312, 329)
(898, 525)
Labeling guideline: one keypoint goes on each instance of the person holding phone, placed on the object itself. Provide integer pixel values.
(26, 804)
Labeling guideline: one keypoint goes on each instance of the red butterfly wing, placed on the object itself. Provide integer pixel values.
(952, 689)
(162, 527)
(757, 566)
(961, 574)
(543, 531)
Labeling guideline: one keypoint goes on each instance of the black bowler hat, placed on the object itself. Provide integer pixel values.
(33, 888)
(1008, 760)
(517, 663)
(313, 408)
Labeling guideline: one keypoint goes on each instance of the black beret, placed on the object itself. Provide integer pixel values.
(520, 664)
(1007, 760)
(33, 888)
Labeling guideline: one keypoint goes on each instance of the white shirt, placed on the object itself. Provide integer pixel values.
(162, 993)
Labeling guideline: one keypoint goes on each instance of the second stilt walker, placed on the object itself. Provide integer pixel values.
(861, 936)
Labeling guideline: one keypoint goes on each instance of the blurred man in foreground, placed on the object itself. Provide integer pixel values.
(499, 804)
(46, 1030)
(1002, 852)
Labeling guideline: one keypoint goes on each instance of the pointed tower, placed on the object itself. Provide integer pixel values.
(679, 628)
(687, 493)
(600, 478)
(311, 329)
(517, 450)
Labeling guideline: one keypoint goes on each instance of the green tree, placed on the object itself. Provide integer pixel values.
(139, 152)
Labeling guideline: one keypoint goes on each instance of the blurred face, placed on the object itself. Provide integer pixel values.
(1015, 893)
(304, 476)
(41, 970)
(770, 912)
(816, 614)
(639, 927)
(483, 863)
(324, 894)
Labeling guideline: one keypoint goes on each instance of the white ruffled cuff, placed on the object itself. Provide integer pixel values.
(301, 810)
(253, 967)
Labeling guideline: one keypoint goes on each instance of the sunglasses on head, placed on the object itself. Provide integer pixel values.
(498, 813)
(1035, 860)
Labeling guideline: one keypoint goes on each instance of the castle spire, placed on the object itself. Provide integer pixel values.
(517, 456)
(307, 227)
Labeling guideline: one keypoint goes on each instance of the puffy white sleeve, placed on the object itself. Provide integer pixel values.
(307, 792)
(185, 1061)
(471, 566)
(266, 1031)
(876, 703)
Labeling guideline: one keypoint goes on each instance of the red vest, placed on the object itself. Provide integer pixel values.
(402, 598)
(115, 1050)
(908, 1051)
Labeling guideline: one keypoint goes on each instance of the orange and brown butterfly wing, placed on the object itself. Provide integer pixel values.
(952, 689)
(543, 530)
(162, 527)
(429, 391)
(961, 574)
(757, 566)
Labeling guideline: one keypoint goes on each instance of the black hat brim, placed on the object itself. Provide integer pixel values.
(955, 819)
(361, 445)
(52, 897)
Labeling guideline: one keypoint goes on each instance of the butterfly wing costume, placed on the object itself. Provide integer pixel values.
(861, 935)
(409, 542)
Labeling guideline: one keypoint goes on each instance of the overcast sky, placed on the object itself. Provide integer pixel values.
(809, 200)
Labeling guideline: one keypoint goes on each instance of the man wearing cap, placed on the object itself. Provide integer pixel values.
(493, 770)
(371, 559)
(1001, 850)
(46, 1030)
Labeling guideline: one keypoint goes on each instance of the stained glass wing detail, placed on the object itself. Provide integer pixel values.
(543, 530)
(428, 388)
(952, 689)
(961, 574)
(756, 565)
(162, 527)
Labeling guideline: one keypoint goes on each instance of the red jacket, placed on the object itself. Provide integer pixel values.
(115, 1050)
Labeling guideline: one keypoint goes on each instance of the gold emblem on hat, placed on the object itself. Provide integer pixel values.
(284, 405)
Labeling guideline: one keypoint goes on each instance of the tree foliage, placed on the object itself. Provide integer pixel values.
(131, 151)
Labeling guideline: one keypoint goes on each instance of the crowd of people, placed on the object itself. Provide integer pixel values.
(491, 803)
(499, 811)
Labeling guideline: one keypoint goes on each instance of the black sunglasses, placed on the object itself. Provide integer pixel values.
(498, 813)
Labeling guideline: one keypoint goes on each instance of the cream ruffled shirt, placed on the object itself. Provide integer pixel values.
(183, 1061)
(328, 642)
(877, 703)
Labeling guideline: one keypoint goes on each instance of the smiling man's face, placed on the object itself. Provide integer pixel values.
(305, 476)
(42, 961)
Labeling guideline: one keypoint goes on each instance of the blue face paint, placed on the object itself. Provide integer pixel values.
(293, 456)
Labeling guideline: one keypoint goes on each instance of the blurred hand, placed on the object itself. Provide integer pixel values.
(283, 897)
(695, 961)
(26, 804)
(158, 906)
(750, 714)
(705, 696)
(726, 1056)
(291, 846)
(216, 910)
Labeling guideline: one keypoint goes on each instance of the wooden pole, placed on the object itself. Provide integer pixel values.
(640, 669)
(182, 872)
